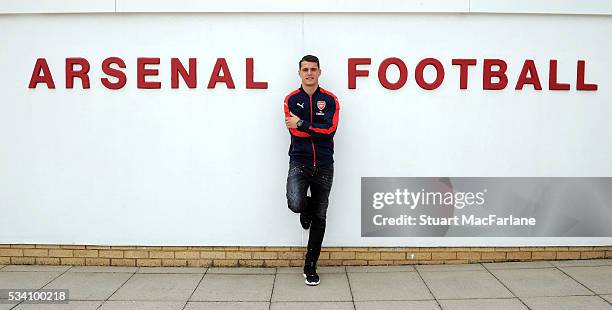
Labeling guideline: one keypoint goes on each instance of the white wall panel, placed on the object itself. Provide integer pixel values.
(312, 6)
(389, 6)
(541, 6)
(208, 167)
(56, 6)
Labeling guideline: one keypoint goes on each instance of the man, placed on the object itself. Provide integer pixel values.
(311, 115)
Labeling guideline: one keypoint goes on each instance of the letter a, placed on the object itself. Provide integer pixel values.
(41, 65)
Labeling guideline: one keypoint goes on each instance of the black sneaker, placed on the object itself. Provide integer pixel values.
(312, 278)
(305, 219)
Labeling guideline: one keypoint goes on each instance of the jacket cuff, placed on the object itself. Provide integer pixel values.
(304, 127)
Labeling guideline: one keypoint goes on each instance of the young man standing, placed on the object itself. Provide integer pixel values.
(311, 115)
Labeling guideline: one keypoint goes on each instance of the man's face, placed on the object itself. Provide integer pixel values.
(309, 73)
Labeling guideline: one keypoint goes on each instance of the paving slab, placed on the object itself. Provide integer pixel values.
(598, 279)
(242, 270)
(464, 284)
(102, 269)
(519, 265)
(198, 270)
(471, 304)
(567, 303)
(357, 269)
(158, 287)
(2, 266)
(397, 305)
(234, 287)
(388, 286)
(232, 305)
(7, 306)
(539, 282)
(541, 285)
(309, 305)
(89, 286)
(72, 305)
(320, 270)
(291, 287)
(142, 305)
(35, 268)
(456, 267)
(26, 279)
(582, 262)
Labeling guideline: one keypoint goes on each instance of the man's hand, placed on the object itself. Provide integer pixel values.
(291, 122)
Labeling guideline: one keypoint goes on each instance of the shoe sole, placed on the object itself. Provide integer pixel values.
(310, 283)
(307, 226)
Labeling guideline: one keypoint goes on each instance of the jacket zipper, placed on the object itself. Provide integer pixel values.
(314, 153)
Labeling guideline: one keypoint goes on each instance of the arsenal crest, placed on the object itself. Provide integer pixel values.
(321, 105)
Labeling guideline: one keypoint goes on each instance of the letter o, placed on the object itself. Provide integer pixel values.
(382, 73)
(418, 74)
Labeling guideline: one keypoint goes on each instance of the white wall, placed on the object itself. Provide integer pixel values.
(208, 167)
(572, 7)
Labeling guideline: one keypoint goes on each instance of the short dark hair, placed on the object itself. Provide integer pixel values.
(309, 58)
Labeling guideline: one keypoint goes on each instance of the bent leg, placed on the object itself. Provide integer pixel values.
(297, 186)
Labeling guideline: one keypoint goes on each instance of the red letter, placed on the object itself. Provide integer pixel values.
(106, 68)
(382, 73)
(580, 84)
(81, 74)
(176, 67)
(552, 78)
(488, 74)
(142, 73)
(250, 76)
(41, 64)
(463, 70)
(418, 74)
(533, 79)
(226, 78)
(353, 73)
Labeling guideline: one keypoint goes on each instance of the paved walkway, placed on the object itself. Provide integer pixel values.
(529, 285)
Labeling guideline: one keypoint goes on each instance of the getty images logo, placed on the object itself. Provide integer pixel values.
(411, 199)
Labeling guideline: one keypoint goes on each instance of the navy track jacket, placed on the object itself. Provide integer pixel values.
(312, 143)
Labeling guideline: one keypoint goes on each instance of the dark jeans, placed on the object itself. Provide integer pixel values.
(319, 180)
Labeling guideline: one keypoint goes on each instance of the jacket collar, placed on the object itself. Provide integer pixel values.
(318, 90)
